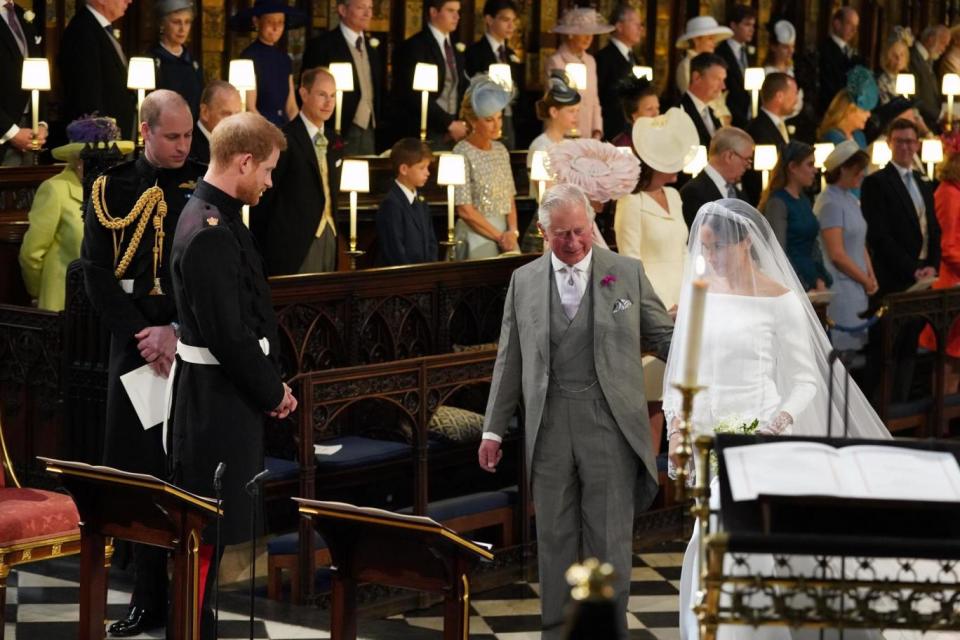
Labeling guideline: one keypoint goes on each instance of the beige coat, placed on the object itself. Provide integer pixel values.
(590, 119)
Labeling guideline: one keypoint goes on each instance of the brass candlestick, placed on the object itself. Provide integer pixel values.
(451, 246)
(685, 448)
(353, 254)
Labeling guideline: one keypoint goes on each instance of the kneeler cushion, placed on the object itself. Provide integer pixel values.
(34, 513)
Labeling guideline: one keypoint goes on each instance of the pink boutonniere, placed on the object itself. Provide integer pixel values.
(608, 280)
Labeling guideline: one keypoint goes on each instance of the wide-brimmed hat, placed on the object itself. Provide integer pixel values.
(703, 26)
(486, 96)
(602, 170)
(166, 7)
(88, 130)
(243, 20)
(582, 21)
(840, 154)
(668, 142)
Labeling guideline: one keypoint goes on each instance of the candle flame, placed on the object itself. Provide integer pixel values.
(700, 266)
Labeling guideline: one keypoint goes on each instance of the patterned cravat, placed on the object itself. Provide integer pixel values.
(320, 148)
(451, 59)
(782, 128)
(569, 291)
(743, 57)
(708, 121)
(731, 191)
(14, 23)
(359, 44)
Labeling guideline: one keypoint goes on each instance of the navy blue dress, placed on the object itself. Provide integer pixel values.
(273, 68)
(181, 74)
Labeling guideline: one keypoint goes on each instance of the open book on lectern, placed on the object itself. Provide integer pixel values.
(877, 472)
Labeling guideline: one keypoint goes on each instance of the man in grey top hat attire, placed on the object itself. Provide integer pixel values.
(575, 324)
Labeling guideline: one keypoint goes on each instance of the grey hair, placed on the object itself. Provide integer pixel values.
(561, 196)
(729, 139)
(932, 32)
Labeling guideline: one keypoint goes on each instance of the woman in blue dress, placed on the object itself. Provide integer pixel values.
(274, 97)
(176, 68)
(789, 212)
(844, 235)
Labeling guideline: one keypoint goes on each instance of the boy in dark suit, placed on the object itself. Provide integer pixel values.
(404, 228)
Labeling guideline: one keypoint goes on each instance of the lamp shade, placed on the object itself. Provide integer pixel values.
(764, 157)
(141, 74)
(355, 176)
(881, 153)
(753, 78)
(451, 169)
(36, 74)
(538, 167)
(342, 75)
(951, 84)
(501, 74)
(425, 77)
(932, 150)
(698, 162)
(820, 152)
(906, 84)
(643, 72)
(242, 75)
(577, 73)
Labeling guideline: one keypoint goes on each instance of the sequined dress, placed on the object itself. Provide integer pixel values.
(490, 189)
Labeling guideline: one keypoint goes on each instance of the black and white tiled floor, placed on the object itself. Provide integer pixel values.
(42, 605)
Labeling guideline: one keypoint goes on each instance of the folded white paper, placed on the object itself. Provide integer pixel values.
(148, 394)
(326, 450)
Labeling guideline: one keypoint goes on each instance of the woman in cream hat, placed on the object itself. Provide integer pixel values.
(53, 239)
(649, 222)
(486, 210)
(702, 36)
(578, 26)
(176, 69)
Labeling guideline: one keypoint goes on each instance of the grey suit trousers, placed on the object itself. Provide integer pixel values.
(584, 471)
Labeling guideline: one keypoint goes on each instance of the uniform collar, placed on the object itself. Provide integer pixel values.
(225, 204)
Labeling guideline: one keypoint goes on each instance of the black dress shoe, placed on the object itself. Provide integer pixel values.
(138, 621)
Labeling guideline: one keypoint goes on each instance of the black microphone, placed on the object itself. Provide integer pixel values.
(215, 560)
(252, 486)
(218, 476)
(253, 490)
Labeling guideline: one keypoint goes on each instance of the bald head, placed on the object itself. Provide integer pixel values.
(166, 125)
(159, 102)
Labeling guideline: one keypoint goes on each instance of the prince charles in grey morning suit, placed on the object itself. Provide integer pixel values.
(570, 346)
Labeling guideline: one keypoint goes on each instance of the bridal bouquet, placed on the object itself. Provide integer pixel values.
(731, 424)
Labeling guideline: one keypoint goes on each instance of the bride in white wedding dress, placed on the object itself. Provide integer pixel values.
(764, 357)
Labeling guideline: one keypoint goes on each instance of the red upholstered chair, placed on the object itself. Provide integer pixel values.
(34, 525)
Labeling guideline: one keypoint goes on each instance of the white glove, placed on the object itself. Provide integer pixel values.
(780, 423)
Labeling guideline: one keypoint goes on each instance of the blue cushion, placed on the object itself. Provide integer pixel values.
(286, 544)
(358, 451)
(451, 508)
(281, 468)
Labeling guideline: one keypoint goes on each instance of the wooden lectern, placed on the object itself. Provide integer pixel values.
(413, 552)
(139, 508)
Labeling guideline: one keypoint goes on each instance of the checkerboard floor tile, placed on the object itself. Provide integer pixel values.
(42, 605)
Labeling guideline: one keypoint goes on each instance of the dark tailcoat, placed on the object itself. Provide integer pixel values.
(404, 231)
(834, 66)
(93, 76)
(928, 99)
(331, 46)
(13, 100)
(697, 192)
(739, 100)
(287, 217)
(893, 229)
(199, 146)
(224, 304)
(612, 67)
(687, 105)
(423, 47)
(763, 131)
(126, 444)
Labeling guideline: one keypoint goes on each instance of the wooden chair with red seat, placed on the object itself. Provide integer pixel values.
(34, 525)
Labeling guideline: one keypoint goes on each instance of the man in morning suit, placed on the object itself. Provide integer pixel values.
(432, 45)
(219, 100)
(93, 66)
(404, 226)
(295, 220)
(574, 325)
(500, 17)
(778, 99)
(228, 372)
(729, 156)
(904, 239)
(927, 49)
(837, 55)
(742, 20)
(708, 73)
(347, 42)
(130, 288)
(614, 63)
(18, 40)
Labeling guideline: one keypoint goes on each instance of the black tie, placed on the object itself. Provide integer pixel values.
(360, 44)
(502, 53)
(632, 58)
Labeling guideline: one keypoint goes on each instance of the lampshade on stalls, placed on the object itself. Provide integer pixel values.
(643, 72)
(906, 84)
(355, 176)
(577, 74)
(501, 74)
(753, 78)
(538, 167)
(425, 77)
(35, 75)
(931, 150)
(242, 75)
(698, 163)
(881, 154)
(141, 74)
(342, 75)
(820, 152)
(451, 170)
(764, 157)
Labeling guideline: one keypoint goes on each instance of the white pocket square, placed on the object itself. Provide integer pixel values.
(622, 305)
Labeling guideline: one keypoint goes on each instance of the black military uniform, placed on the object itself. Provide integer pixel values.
(126, 306)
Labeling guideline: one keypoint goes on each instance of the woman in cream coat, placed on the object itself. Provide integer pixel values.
(649, 223)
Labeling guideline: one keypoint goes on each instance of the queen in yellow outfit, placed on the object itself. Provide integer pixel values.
(53, 238)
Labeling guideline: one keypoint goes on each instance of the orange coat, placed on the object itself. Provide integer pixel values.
(946, 200)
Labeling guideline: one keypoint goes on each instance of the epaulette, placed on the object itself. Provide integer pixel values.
(119, 167)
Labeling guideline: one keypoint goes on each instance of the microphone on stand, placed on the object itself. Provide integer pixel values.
(218, 492)
(253, 490)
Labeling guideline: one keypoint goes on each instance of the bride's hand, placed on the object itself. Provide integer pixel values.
(673, 441)
(777, 426)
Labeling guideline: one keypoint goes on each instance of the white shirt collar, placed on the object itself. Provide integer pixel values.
(494, 44)
(698, 104)
(735, 46)
(622, 48)
(718, 180)
(922, 50)
(583, 266)
(439, 36)
(776, 119)
(903, 171)
(99, 16)
(350, 35)
(203, 130)
(411, 195)
(312, 129)
(840, 43)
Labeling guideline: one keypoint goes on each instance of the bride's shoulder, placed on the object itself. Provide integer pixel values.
(769, 287)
